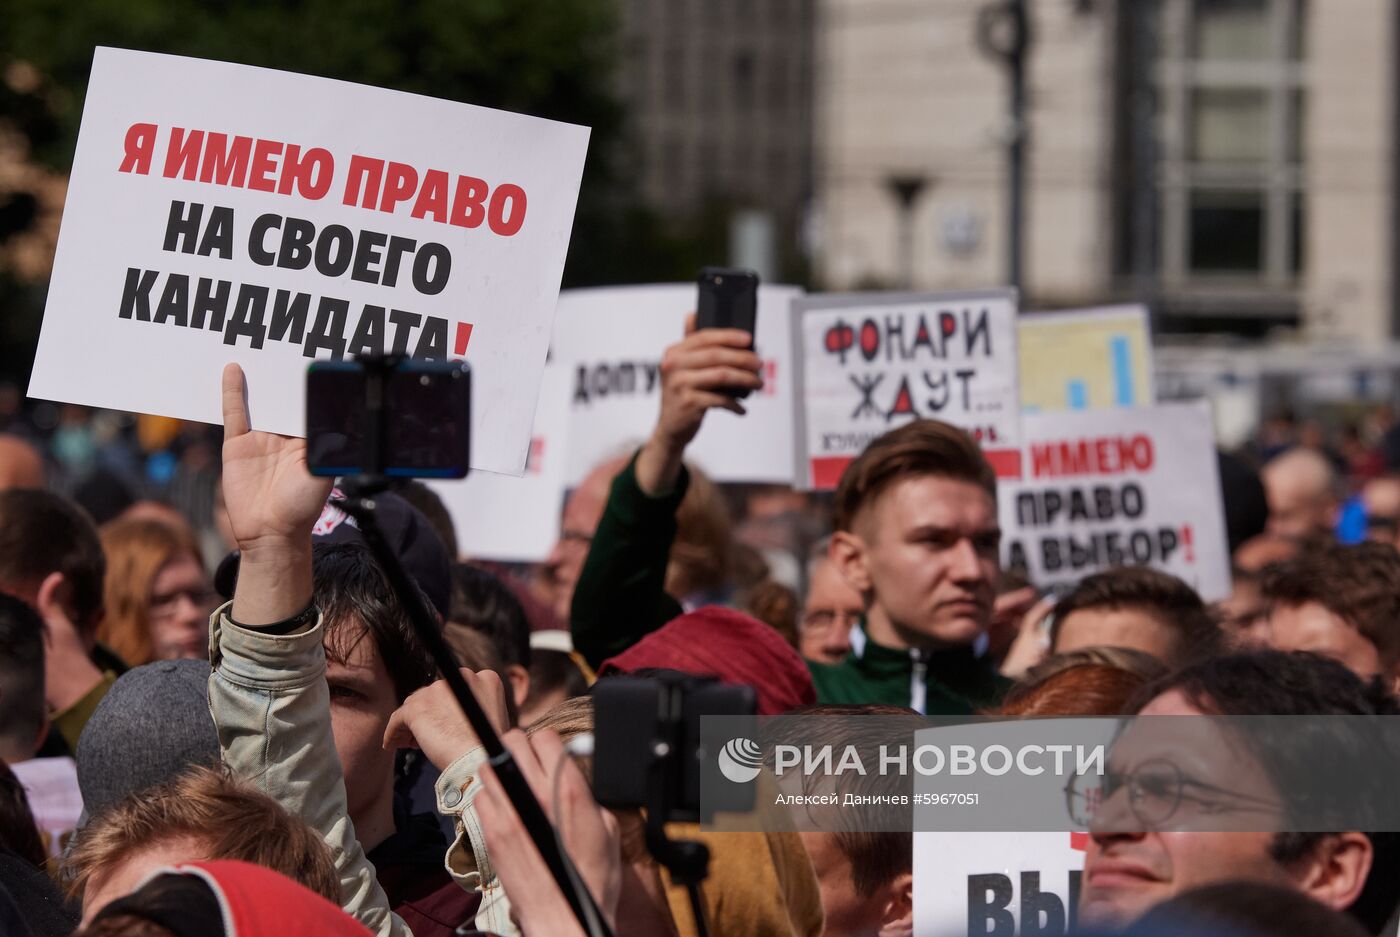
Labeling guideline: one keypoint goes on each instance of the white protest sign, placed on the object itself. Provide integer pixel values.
(992, 883)
(1116, 487)
(612, 340)
(516, 519)
(866, 363)
(219, 212)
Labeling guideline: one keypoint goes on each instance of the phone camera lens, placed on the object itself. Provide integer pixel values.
(719, 280)
(425, 380)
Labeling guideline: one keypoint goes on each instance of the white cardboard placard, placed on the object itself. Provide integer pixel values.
(991, 883)
(612, 339)
(151, 296)
(516, 519)
(866, 363)
(1104, 488)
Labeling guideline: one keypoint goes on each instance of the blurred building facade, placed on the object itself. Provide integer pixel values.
(1231, 161)
(719, 95)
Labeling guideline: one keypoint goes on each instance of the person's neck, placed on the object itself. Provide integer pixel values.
(376, 824)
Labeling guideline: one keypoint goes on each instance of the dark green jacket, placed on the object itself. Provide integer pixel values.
(621, 597)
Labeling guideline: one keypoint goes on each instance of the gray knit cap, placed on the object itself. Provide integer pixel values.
(152, 726)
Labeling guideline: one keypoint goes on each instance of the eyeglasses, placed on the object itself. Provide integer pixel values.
(824, 619)
(167, 604)
(1158, 790)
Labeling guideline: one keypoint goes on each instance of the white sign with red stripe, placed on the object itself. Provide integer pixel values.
(997, 883)
(220, 212)
(866, 363)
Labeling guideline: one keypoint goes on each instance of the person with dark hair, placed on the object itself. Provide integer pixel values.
(555, 675)
(1139, 608)
(18, 832)
(430, 505)
(1129, 870)
(312, 660)
(1243, 497)
(50, 557)
(1342, 602)
(1244, 909)
(24, 717)
(483, 602)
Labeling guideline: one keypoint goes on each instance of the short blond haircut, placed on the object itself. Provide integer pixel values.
(231, 819)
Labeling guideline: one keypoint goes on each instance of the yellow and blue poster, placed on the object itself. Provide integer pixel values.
(1085, 359)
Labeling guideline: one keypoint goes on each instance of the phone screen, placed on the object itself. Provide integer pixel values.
(428, 425)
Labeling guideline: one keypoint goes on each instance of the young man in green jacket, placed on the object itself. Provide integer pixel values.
(916, 536)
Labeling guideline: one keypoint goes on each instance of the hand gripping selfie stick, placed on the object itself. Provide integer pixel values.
(360, 505)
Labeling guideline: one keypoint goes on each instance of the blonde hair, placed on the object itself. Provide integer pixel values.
(232, 820)
(700, 558)
(136, 549)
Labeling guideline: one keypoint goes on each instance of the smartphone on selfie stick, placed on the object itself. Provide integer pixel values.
(381, 418)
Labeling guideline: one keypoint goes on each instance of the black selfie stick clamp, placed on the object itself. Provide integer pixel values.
(687, 861)
(359, 503)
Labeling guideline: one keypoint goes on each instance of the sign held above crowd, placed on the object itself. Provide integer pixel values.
(1124, 487)
(221, 212)
(867, 362)
(1086, 359)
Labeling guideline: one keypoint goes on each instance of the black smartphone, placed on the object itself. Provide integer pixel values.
(426, 407)
(728, 300)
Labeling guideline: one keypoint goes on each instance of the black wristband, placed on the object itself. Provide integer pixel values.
(298, 622)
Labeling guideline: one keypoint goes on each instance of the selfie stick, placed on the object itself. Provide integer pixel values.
(360, 505)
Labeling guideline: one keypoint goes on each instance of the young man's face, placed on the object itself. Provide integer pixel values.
(362, 700)
(925, 554)
(1117, 627)
(1128, 873)
(1313, 627)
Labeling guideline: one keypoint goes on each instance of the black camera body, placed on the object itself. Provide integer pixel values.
(647, 746)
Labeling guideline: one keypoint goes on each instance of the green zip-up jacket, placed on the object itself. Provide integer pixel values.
(621, 597)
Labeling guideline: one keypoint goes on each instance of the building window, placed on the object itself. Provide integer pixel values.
(1227, 101)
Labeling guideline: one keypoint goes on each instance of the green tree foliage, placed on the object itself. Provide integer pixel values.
(549, 58)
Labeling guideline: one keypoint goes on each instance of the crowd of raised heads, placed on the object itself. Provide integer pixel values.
(217, 717)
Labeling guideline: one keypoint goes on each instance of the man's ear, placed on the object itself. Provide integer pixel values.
(52, 596)
(897, 916)
(847, 553)
(519, 680)
(1336, 872)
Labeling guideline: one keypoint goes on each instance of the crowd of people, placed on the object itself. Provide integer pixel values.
(228, 724)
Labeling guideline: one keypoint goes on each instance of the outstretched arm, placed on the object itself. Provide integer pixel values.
(621, 594)
(268, 693)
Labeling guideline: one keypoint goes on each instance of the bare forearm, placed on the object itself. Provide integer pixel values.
(274, 583)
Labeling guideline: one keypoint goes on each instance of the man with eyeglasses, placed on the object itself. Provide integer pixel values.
(831, 610)
(1147, 841)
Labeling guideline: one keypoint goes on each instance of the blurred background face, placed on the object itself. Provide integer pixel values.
(1315, 628)
(832, 609)
(582, 511)
(181, 602)
(1117, 627)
